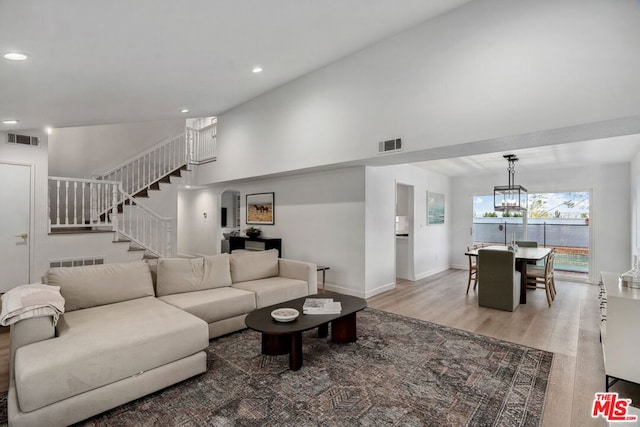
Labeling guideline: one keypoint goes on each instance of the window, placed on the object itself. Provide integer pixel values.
(559, 220)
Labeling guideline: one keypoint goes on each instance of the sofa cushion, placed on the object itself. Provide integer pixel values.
(177, 275)
(217, 272)
(94, 285)
(274, 290)
(253, 265)
(213, 305)
(101, 345)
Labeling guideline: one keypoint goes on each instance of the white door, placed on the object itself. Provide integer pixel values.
(15, 235)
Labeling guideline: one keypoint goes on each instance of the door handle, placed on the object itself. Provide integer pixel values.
(22, 236)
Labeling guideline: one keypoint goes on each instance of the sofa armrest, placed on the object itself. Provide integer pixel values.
(29, 331)
(300, 270)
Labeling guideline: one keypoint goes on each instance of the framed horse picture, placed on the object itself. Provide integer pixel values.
(260, 208)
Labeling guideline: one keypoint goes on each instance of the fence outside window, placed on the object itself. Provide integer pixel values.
(569, 237)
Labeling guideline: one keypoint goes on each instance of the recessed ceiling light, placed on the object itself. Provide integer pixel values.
(16, 56)
(184, 110)
(257, 70)
(9, 122)
(187, 186)
(48, 130)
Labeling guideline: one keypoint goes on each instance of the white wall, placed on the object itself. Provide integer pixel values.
(197, 234)
(44, 247)
(635, 205)
(319, 216)
(486, 70)
(82, 246)
(610, 217)
(430, 243)
(36, 157)
(80, 152)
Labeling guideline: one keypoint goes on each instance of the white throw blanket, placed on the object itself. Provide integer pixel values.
(35, 300)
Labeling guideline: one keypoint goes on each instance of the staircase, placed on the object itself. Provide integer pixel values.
(113, 201)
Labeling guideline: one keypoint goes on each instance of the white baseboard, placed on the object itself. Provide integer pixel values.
(380, 289)
(354, 293)
(342, 290)
(190, 255)
(460, 266)
(432, 272)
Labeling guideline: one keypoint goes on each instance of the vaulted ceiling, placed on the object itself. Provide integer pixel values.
(98, 62)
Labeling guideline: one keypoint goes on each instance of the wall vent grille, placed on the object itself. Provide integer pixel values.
(390, 145)
(76, 262)
(14, 138)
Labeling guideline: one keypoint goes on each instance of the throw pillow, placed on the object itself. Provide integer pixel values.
(253, 265)
(94, 285)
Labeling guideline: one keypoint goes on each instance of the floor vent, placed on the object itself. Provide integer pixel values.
(390, 145)
(78, 262)
(13, 138)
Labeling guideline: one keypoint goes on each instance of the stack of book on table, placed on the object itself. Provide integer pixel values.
(321, 306)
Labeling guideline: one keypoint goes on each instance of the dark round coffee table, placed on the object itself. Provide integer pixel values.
(286, 337)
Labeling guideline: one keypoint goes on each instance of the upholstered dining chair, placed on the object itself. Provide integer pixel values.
(473, 269)
(542, 277)
(499, 282)
(528, 244)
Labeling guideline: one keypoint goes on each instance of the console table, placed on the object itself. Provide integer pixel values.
(255, 244)
(620, 316)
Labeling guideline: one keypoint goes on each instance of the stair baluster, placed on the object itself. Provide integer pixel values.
(108, 201)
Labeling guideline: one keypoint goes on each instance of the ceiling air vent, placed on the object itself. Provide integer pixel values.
(390, 145)
(13, 138)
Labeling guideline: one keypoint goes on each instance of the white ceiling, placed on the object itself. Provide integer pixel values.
(578, 154)
(114, 61)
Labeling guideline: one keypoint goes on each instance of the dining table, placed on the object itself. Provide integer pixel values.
(523, 256)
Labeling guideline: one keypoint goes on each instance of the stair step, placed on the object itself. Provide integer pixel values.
(142, 193)
(78, 230)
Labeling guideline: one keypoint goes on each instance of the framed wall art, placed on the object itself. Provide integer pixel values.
(260, 208)
(435, 208)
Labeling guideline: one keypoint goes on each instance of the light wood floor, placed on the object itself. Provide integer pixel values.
(569, 329)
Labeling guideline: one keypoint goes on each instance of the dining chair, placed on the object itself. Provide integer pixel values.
(473, 269)
(542, 277)
(499, 282)
(528, 244)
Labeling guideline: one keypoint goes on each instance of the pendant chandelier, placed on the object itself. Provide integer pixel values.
(512, 197)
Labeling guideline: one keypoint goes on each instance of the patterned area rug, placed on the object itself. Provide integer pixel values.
(401, 371)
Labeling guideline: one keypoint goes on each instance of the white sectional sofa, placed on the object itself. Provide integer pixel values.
(121, 337)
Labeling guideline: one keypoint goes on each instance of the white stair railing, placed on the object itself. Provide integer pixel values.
(97, 204)
(150, 165)
(202, 144)
(144, 227)
(195, 146)
(78, 203)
